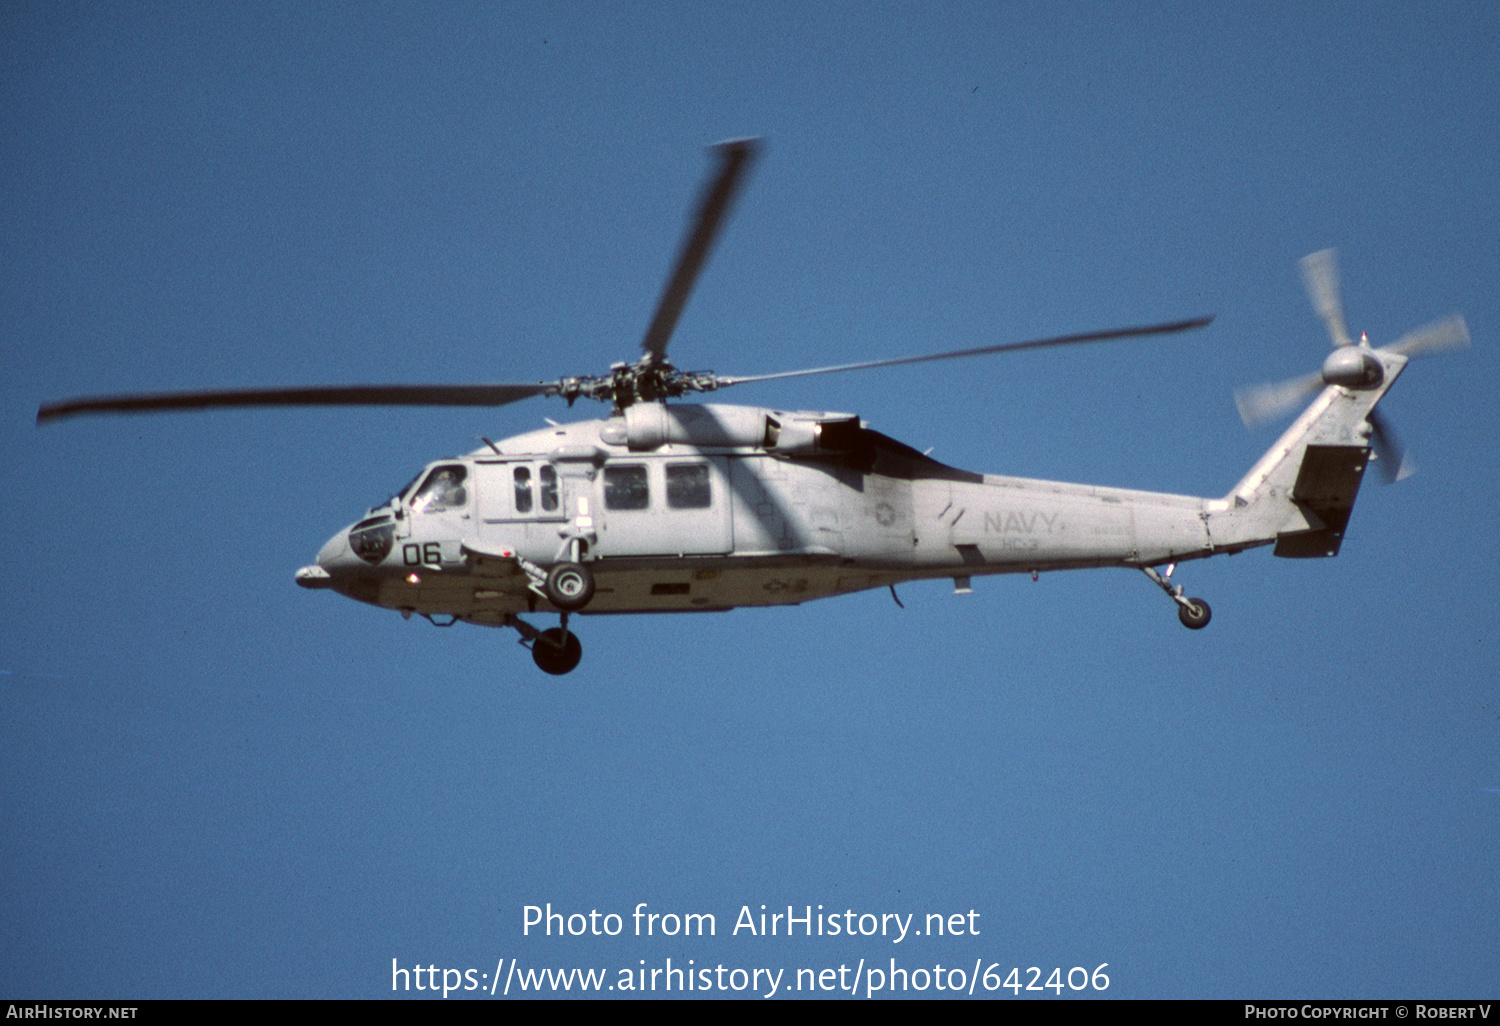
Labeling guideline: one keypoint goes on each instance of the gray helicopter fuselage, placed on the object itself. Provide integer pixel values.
(708, 507)
(682, 508)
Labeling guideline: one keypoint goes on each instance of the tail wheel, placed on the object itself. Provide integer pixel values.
(556, 651)
(1195, 615)
(569, 586)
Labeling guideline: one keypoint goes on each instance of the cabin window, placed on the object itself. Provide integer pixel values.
(548, 476)
(443, 489)
(523, 489)
(625, 488)
(688, 487)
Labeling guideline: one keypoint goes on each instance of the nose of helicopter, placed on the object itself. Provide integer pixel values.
(318, 575)
(334, 549)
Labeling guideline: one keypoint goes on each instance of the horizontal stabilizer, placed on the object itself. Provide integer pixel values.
(1326, 487)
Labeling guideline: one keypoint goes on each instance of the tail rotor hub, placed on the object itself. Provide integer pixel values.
(1352, 367)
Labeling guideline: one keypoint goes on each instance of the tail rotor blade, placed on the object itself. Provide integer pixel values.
(1320, 272)
(1394, 463)
(1430, 339)
(1261, 403)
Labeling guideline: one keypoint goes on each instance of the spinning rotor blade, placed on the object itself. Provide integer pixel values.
(1041, 343)
(1430, 339)
(1320, 272)
(1261, 403)
(735, 157)
(1394, 463)
(335, 395)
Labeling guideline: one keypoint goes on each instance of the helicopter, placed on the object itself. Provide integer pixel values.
(673, 507)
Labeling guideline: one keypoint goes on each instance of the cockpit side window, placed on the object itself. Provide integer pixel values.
(443, 489)
(522, 478)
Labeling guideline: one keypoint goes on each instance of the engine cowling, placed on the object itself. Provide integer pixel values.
(806, 434)
(648, 426)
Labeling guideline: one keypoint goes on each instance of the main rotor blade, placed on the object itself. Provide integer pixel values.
(1005, 347)
(1320, 272)
(1430, 339)
(1394, 463)
(735, 157)
(1261, 403)
(334, 395)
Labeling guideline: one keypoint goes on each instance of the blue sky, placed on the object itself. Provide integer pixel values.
(217, 784)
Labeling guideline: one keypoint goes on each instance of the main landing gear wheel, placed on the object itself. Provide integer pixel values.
(569, 586)
(1195, 615)
(556, 651)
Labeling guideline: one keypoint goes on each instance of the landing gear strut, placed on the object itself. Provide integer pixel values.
(1193, 612)
(555, 650)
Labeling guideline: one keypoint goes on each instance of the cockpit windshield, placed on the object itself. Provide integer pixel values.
(399, 493)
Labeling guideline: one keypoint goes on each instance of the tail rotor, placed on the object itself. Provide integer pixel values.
(1261, 403)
